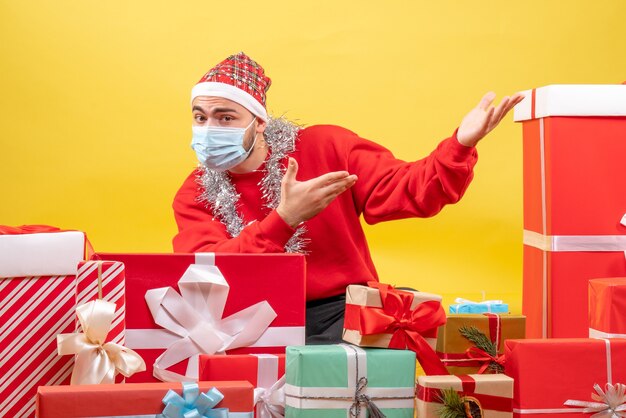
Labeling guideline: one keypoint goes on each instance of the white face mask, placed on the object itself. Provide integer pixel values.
(220, 148)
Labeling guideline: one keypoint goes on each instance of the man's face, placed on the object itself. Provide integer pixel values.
(217, 111)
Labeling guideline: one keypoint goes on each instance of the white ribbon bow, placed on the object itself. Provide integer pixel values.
(270, 402)
(484, 302)
(610, 403)
(195, 315)
(97, 362)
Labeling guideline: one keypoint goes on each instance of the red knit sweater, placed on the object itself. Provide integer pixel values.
(338, 255)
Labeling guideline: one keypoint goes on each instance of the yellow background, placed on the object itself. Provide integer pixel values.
(95, 118)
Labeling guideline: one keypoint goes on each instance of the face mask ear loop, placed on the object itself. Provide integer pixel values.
(249, 152)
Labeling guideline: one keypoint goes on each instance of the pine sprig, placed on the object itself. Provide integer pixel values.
(481, 341)
(453, 405)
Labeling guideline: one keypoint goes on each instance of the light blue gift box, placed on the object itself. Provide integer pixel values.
(464, 306)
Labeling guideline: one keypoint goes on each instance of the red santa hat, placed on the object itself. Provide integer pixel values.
(237, 78)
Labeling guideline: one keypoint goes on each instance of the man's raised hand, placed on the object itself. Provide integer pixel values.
(302, 200)
(484, 118)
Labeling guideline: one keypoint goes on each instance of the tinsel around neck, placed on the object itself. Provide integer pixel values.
(219, 194)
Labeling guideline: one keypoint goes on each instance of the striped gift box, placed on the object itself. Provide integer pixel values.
(34, 308)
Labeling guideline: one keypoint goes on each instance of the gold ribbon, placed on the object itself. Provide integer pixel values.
(96, 361)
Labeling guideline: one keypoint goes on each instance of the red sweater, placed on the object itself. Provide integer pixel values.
(338, 255)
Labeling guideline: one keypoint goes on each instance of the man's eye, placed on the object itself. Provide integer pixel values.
(227, 118)
(199, 118)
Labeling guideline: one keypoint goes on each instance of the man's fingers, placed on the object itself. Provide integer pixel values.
(292, 170)
(486, 100)
(487, 122)
(500, 110)
(340, 186)
(328, 178)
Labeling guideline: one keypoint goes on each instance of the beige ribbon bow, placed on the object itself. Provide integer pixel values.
(609, 403)
(96, 361)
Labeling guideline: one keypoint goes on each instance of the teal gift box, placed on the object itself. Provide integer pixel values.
(464, 306)
(339, 381)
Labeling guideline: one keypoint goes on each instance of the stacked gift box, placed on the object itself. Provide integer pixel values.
(222, 335)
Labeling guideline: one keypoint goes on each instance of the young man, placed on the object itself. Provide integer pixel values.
(266, 185)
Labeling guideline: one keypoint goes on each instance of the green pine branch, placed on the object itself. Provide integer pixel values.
(481, 341)
(453, 405)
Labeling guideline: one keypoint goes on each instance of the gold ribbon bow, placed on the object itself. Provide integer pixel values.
(96, 361)
(609, 403)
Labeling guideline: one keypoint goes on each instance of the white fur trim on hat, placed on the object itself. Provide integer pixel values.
(215, 89)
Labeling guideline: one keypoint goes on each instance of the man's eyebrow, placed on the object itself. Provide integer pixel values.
(215, 110)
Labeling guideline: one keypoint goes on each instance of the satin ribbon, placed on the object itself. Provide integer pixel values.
(479, 355)
(405, 324)
(195, 317)
(27, 229)
(96, 361)
(487, 402)
(608, 403)
(193, 403)
(270, 402)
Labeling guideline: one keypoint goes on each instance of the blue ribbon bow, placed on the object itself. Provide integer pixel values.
(193, 403)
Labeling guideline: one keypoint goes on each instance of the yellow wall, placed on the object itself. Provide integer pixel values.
(94, 108)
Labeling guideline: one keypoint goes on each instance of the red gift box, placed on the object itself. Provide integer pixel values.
(278, 279)
(607, 308)
(550, 372)
(574, 178)
(262, 370)
(33, 310)
(136, 399)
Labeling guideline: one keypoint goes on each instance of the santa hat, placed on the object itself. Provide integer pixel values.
(237, 78)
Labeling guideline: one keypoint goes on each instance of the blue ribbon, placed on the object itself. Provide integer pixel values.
(193, 403)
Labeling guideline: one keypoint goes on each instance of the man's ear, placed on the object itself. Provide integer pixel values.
(260, 125)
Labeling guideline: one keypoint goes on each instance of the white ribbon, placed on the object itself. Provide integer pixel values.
(609, 403)
(269, 395)
(270, 402)
(195, 317)
(594, 333)
(96, 361)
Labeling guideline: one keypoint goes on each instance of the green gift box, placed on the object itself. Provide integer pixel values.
(343, 381)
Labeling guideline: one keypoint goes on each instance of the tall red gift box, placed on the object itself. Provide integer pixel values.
(574, 201)
(263, 371)
(278, 279)
(37, 302)
(550, 372)
(607, 307)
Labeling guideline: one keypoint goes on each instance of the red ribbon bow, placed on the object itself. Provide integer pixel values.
(484, 358)
(406, 325)
(26, 229)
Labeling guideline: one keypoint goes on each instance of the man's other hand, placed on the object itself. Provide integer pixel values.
(302, 200)
(484, 118)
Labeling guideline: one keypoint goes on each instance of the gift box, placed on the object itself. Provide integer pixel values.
(457, 341)
(336, 380)
(491, 395)
(550, 372)
(464, 306)
(607, 308)
(139, 399)
(574, 177)
(380, 316)
(36, 304)
(264, 371)
(218, 293)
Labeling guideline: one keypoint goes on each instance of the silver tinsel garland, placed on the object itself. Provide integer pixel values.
(219, 194)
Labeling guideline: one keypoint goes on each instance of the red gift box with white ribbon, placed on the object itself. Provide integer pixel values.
(574, 201)
(182, 305)
(557, 377)
(607, 307)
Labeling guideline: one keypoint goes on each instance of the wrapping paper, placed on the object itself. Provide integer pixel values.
(574, 176)
(252, 279)
(607, 307)
(494, 393)
(549, 372)
(137, 399)
(464, 306)
(452, 346)
(381, 316)
(33, 310)
(324, 380)
(263, 371)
